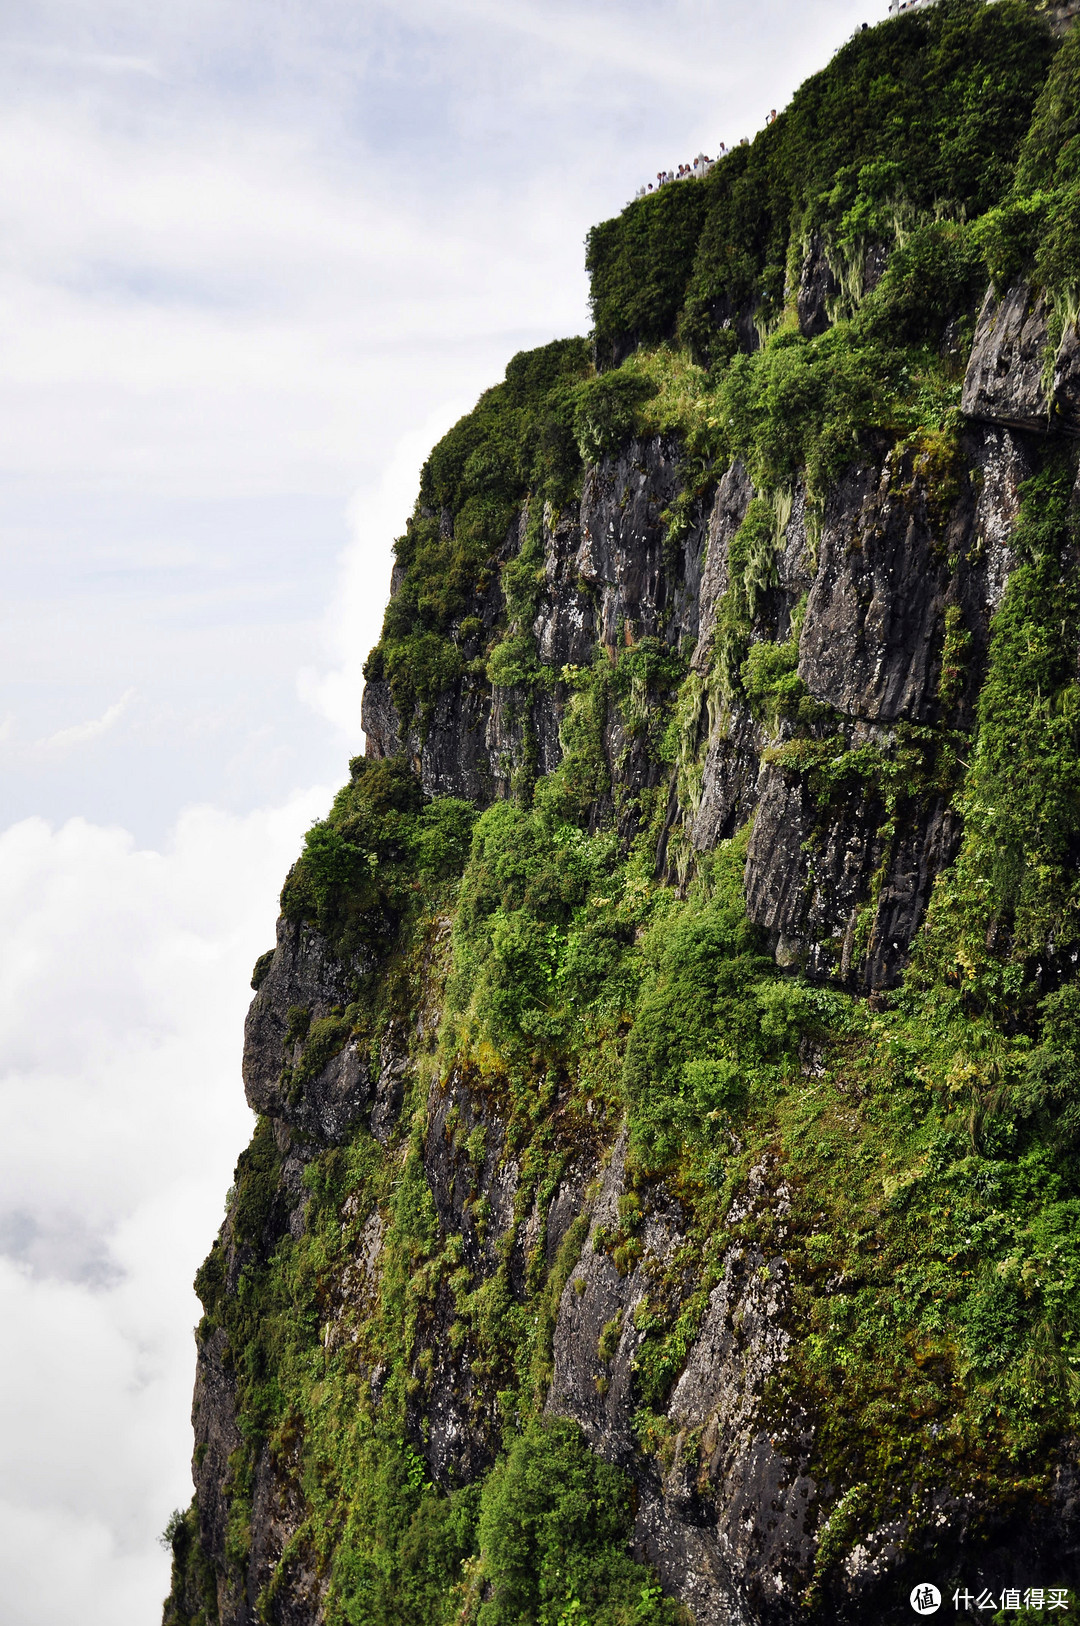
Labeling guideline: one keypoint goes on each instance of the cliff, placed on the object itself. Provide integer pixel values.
(664, 1202)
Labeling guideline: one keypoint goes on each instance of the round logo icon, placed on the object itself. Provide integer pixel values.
(925, 1598)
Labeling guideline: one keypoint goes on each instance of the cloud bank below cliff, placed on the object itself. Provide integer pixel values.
(123, 986)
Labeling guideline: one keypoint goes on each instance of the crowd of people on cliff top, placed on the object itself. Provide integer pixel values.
(695, 171)
(703, 163)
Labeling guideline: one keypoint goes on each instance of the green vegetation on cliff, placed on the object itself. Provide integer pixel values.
(1035, 229)
(568, 981)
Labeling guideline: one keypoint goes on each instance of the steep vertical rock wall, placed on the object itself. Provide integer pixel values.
(875, 587)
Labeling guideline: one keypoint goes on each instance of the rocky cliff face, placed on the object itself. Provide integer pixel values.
(874, 589)
(664, 1200)
(1014, 375)
(731, 1517)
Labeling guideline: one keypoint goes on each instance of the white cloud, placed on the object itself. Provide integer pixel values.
(123, 985)
(83, 733)
(98, 61)
(593, 36)
(74, 1561)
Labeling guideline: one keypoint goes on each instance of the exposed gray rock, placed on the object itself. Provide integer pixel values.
(731, 771)
(472, 1179)
(1006, 375)
(592, 1389)
(389, 1093)
(875, 1555)
(728, 511)
(929, 841)
(892, 559)
(278, 1510)
(891, 565)
(817, 288)
(1067, 381)
(322, 1108)
(449, 751)
(213, 1421)
(453, 758)
(611, 575)
(291, 1152)
(304, 975)
(882, 568)
(890, 562)
(352, 1293)
(729, 781)
(1060, 14)
(608, 576)
(381, 723)
(761, 1494)
(620, 554)
(1004, 460)
(730, 1502)
(565, 625)
(797, 560)
(473, 1182)
(870, 644)
(566, 1205)
(688, 1558)
(809, 876)
(727, 1513)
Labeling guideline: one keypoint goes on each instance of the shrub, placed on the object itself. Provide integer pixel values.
(555, 1527)
(360, 865)
(606, 415)
(639, 265)
(937, 273)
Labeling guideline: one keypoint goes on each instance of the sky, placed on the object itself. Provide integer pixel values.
(256, 256)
